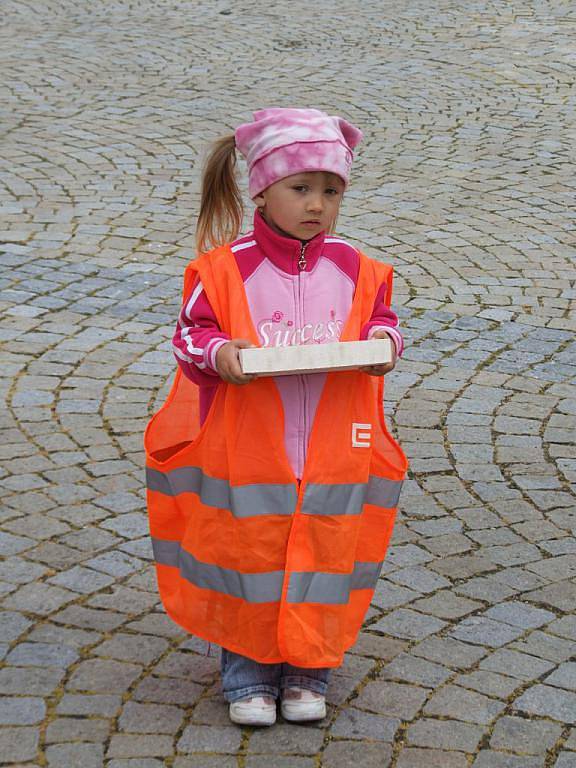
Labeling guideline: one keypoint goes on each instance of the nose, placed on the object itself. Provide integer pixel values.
(315, 202)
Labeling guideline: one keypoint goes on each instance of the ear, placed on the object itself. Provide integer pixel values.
(259, 201)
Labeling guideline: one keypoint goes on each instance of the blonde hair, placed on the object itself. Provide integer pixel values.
(221, 207)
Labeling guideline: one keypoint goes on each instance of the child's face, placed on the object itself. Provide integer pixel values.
(302, 205)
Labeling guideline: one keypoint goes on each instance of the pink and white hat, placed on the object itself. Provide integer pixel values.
(281, 142)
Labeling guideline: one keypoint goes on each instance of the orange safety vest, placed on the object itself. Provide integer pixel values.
(246, 557)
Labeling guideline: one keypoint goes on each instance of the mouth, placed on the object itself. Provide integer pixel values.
(315, 222)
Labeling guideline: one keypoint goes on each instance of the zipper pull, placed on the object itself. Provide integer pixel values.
(302, 260)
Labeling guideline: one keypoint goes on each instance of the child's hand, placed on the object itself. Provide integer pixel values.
(381, 370)
(228, 362)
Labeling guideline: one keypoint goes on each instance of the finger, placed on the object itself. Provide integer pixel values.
(235, 377)
(236, 371)
(242, 343)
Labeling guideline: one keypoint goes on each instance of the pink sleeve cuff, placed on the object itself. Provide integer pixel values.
(210, 350)
(395, 335)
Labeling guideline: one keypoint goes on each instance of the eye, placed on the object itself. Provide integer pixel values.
(332, 191)
(300, 187)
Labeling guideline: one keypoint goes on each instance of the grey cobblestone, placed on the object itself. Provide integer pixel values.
(19, 744)
(565, 760)
(262, 761)
(74, 729)
(549, 702)
(525, 736)
(34, 681)
(488, 759)
(483, 631)
(414, 670)
(142, 745)
(12, 625)
(446, 650)
(490, 683)
(545, 646)
(354, 724)
(414, 757)
(460, 704)
(464, 186)
(341, 754)
(25, 710)
(392, 699)
(88, 704)
(203, 738)
(520, 615)
(563, 677)
(38, 598)
(287, 738)
(205, 761)
(136, 648)
(136, 762)
(42, 655)
(69, 755)
(405, 623)
(103, 676)
(444, 734)
(150, 718)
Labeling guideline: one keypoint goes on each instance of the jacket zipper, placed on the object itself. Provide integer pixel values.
(302, 264)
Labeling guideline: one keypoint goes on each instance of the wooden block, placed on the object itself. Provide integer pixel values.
(315, 358)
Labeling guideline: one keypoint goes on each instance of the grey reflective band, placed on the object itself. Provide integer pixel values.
(348, 498)
(304, 586)
(252, 587)
(333, 499)
(331, 588)
(275, 498)
(383, 492)
(242, 500)
(166, 552)
(366, 575)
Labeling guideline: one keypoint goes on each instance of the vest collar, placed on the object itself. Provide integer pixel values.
(283, 251)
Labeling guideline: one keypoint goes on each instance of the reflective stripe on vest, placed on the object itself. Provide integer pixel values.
(241, 500)
(332, 588)
(275, 499)
(304, 586)
(348, 498)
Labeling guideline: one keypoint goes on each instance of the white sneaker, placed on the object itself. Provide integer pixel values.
(300, 704)
(257, 710)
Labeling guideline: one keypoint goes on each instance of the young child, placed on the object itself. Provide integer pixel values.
(272, 499)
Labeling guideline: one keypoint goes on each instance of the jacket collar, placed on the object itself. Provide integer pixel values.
(283, 251)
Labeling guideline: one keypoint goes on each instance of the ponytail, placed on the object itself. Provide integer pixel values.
(221, 209)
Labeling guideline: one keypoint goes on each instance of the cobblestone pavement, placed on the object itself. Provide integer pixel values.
(466, 184)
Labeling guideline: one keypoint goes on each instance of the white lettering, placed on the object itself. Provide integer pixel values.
(361, 435)
(319, 332)
(283, 335)
(263, 329)
(304, 338)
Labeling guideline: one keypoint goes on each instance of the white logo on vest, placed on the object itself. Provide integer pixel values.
(361, 435)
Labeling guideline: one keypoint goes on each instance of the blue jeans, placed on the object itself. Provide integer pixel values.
(243, 677)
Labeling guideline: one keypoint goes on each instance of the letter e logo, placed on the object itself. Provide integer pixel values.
(361, 435)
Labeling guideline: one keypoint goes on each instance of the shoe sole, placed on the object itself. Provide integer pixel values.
(247, 720)
(294, 717)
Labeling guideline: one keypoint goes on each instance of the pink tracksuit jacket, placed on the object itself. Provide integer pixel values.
(288, 305)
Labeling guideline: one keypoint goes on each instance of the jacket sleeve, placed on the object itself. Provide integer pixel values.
(198, 337)
(383, 319)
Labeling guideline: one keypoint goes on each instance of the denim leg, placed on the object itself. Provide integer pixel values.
(310, 679)
(243, 677)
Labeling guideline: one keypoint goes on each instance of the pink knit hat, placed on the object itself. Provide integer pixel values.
(281, 142)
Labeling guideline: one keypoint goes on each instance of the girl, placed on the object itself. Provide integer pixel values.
(272, 500)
